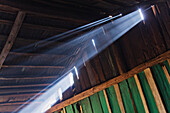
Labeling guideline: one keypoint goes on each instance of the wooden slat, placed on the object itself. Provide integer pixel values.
(141, 94)
(107, 101)
(137, 101)
(126, 97)
(113, 102)
(119, 98)
(24, 66)
(154, 90)
(11, 38)
(111, 82)
(169, 62)
(30, 78)
(166, 73)
(29, 85)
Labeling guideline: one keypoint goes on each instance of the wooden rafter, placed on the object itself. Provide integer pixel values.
(12, 36)
(111, 82)
(25, 66)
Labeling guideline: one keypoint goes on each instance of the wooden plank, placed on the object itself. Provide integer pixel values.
(77, 107)
(167, 65)
(85, 103)
(95, 103)
(166, 73)
(69, 109)
(141, 94)
(113, 102)
(11, 38)
(24, 66)
(148, 93)
(104, 101)
(23, 86)
(111, 82)
(162, 85)
(135, 95)
(126, 97)
(119, 98)
(154, 90)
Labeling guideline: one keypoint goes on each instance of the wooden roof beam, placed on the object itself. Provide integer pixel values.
(12, 36)
(25, 66)
(124, 76)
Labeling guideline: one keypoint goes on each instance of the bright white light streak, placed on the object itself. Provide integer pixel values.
(94, 44)
(76, 71)
(71, 78)
(141, 15)
(110, 16)
(60, 94)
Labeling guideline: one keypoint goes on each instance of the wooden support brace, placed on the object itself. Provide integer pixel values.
(12, 36)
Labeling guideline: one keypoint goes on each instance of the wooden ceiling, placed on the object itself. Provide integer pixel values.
(21, 76)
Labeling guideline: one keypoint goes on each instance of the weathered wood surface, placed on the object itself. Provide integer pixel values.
(11, 38)
(111, 82)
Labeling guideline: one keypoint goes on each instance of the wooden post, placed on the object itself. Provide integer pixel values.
(12, 36)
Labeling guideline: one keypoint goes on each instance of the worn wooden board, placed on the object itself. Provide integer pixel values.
(69, 109)
(135, 95)
(113, 100)
(103, 102)
(162, 85)
(126, 97)
(86, 106)
(148, 94)
(95, 103)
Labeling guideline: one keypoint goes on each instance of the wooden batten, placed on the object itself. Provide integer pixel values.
(154, 90)
(166, 73)
(107, 101)
(119, 98)
(141, 94)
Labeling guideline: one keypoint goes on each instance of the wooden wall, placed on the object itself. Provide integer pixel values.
(148, 91)
(145, 41)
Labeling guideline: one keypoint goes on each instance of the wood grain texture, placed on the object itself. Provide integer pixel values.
(119, 98)
(12, 36)
(111, 82)
(154, 90)
(141, 94)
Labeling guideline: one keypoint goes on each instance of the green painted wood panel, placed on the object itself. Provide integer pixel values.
(167, 66)
(69, 109)
(76, 110)
(162, 85)
(95, 102)
(56, 112)
(85, 103)
(135, 95)
(148, 93)
(103, 102)
(113, 100)
(126, 97)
